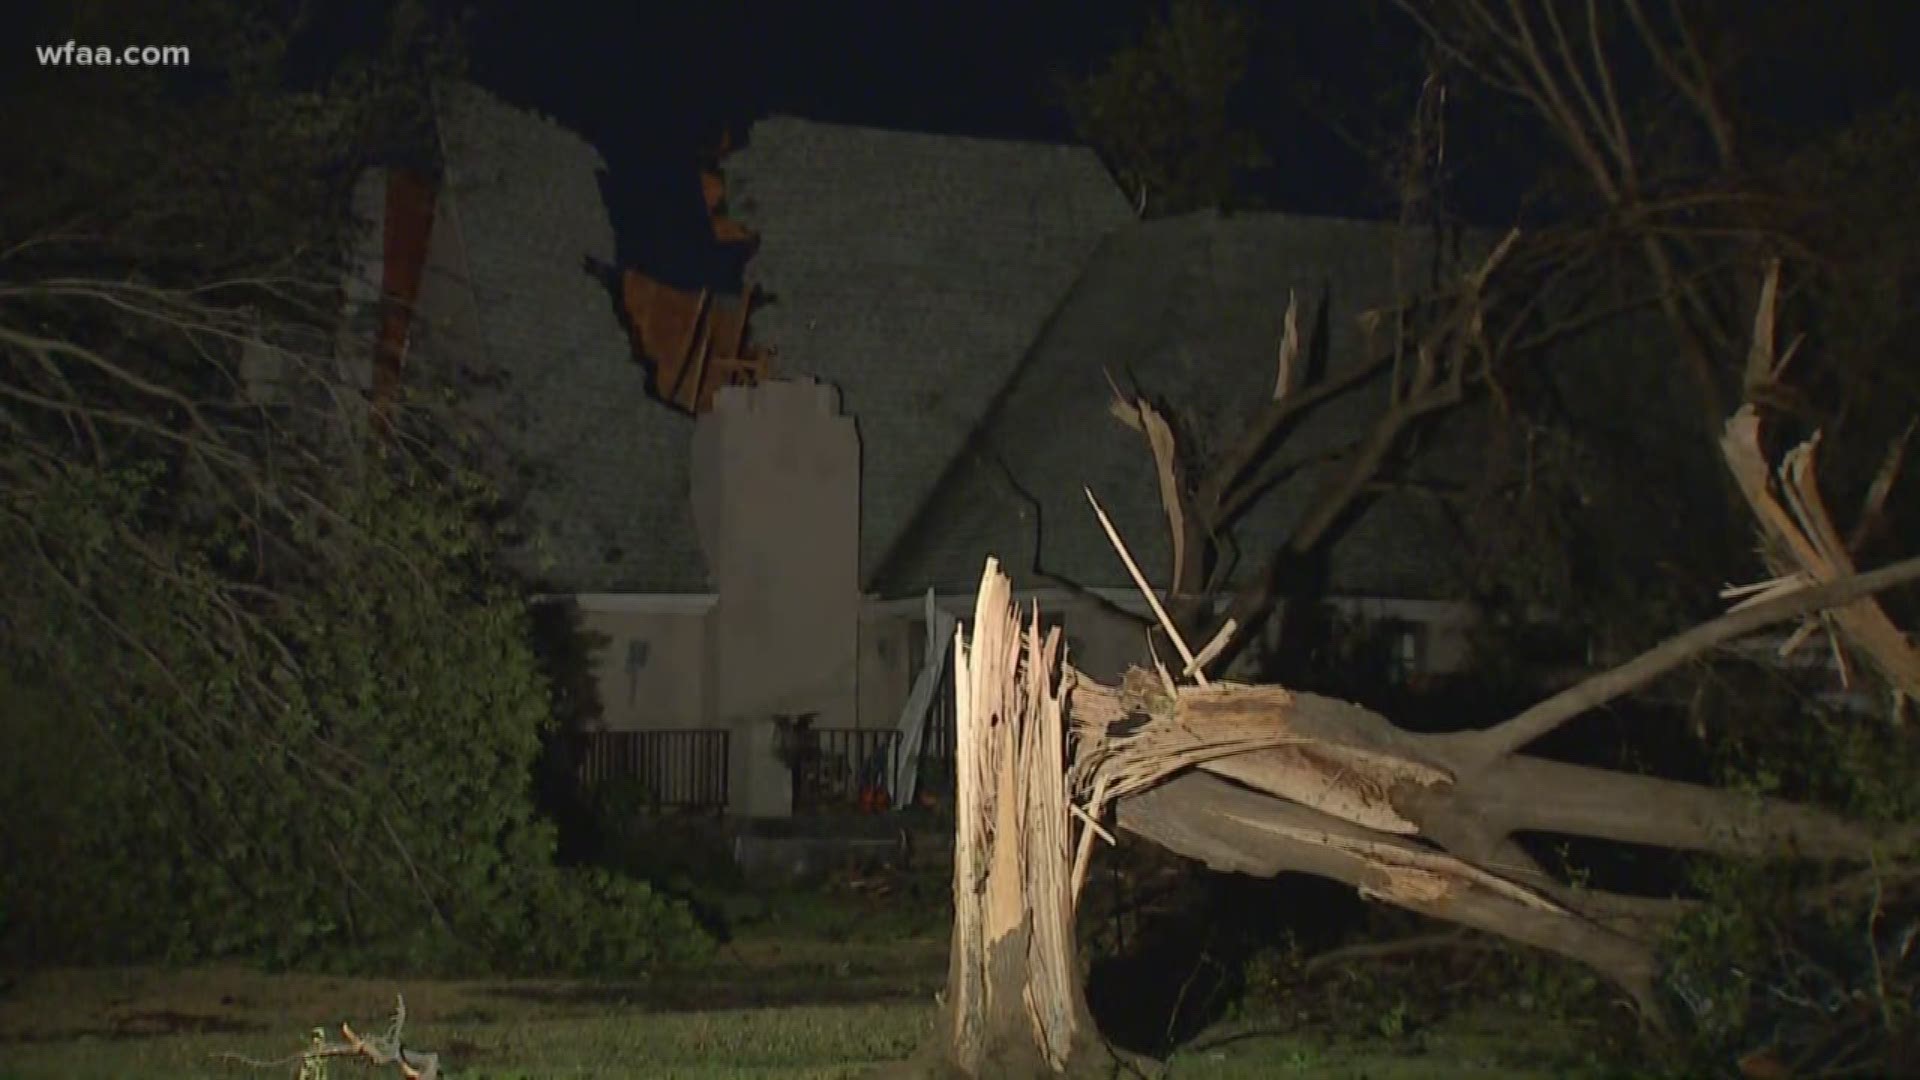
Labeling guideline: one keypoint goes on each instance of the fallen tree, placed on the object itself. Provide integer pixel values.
(1262, 780)
(1265, 780)
(1327, 787)
(1340, 792)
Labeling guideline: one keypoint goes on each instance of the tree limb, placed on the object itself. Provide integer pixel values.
(1211, 820)
(1511, 735)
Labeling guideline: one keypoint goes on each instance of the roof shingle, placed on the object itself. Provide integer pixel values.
(913, 271)
(1188, 310)
(599, 468)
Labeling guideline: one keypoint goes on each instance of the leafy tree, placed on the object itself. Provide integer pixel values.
(269, 692)
(1160, 111)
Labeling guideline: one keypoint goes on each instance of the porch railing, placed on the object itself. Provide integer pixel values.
(845, 764)
(681, 769)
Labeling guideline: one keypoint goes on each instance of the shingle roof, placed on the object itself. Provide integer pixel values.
(602, 467)
(966, 295)
(913, 271)
(910, 270)
(1190, 310)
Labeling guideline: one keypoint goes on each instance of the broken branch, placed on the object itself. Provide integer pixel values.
(1511, 735)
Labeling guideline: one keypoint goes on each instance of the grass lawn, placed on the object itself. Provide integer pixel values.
(1474, 1045)
(813, 986)
(871, 1003)
(761, 1009)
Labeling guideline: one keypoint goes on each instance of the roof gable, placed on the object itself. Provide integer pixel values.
(598, 468)
(913, 271)
(1188, 310)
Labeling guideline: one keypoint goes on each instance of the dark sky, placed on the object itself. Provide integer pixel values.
(664, 73)
(650, 83)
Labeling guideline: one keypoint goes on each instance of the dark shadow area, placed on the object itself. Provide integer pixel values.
(1176, 945)
(153, 1024)
(565, 649)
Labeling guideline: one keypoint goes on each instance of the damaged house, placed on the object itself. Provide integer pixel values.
(772, 504)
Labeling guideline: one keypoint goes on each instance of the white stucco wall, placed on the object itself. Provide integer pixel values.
(1106, 635)
(776, 501)
(652, 669)
(886, 668)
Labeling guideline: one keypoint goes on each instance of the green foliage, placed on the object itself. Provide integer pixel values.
(622, 800)
(1161, 111)
(230, 163)
(366, 788)
(566, 649)
(1814, 965)
(1824, 988)
(265, 692)
(1410, 995)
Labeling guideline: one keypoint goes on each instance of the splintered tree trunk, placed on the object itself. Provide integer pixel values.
(1014, 1003)
(1322, 786)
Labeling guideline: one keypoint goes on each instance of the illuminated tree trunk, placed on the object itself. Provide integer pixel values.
(1014, 1003)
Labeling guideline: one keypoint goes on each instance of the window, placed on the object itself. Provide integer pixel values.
(1407, 651)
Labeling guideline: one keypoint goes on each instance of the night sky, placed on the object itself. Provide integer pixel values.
(670, 73)
(651, 84)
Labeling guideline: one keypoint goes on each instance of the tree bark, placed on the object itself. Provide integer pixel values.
(1232, 829)
(1015, 1005)
(1353, 763)
(1336, 790)
(1529, 794)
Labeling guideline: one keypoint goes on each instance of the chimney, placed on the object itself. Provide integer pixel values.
(776, 500)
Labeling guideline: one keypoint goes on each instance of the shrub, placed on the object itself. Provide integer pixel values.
(358, 786)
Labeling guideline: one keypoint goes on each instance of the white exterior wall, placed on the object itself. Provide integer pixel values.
(668, 688)
(652, 669)
(886, 665)
(1103, 642)
(776, 501)
(656, 670)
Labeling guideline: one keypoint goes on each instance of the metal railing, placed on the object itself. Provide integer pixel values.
(681, 768)
(843, 764)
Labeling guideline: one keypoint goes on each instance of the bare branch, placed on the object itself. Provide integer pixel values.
(1513, 734)
(1146, 590)
(1695, 84)
(1273, 417)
